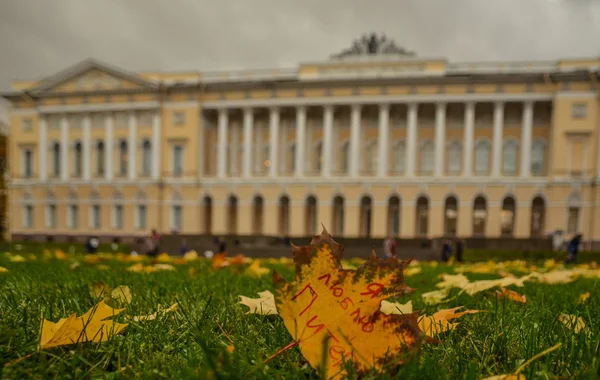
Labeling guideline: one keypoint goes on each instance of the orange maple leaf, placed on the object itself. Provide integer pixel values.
(330, 308)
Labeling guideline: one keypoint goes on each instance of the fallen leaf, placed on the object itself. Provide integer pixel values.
(102, 267)
(435, 296)
(164, 258)
(2, 269)
(220, 260)
(190, 256)
(60, 255)
(573, 322)
(265, 304)
(158, 267)
(255, 270)
(152, 316)
(326, 303)
(17, 258)
(439, 321)
(506, 377)
(230, 348)
(411, 271)
(452, 281)
(90, 327)
(139, 267)
(396, 307)
(99, 289)
(122, 293)
(582, 297)
(75, 265)
(511, 295)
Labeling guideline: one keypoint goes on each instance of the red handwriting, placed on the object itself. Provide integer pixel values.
(373, 289)
(312, 292)
(367, 325)
(346, 303)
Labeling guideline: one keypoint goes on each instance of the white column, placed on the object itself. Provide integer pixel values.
(109, 146)
(132, 146)
(383, 142)
(327, 140)
(222, 143)
(411, 140)
(87, 143)
(440, 139)
(64, 148)
(156, 152)
(300, 140)
(497, 139)
(468, 139)
(526, 130)
(248, 124)
(354, 140)
(43, 149)
(273, 141)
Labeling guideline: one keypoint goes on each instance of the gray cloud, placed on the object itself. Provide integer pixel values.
(40, 37)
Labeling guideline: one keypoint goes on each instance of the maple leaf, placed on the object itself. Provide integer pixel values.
(2, 269)
(263, 305)
(122, 293)
(90, 327)
(152, 316)
(573, 322)
(327, 307)
(582, 297)
(255, 270)
(511, 295)
(439, 321)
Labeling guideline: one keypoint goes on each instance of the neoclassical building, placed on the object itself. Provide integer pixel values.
(370, 142)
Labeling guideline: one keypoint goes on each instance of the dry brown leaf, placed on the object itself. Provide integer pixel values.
(265, 304)
(573, 322)
(439, 321)
(396, 307)
(584, 297)
(511, 295)
(326, 303)
(90, 327)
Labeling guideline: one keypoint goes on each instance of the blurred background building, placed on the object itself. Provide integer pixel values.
(373, 141)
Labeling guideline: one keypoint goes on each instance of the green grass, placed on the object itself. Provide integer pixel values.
(189, 344)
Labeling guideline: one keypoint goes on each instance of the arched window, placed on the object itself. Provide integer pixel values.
(427, 158)
(393, 221)
(510, 152)
(345, 157)
(284, 215)
(538, 216)
(538, 154)
(207, 208)
(311, 216)
(422, 222)
(146, 157)
(574, 213)
(371, 156)
(454, 157)
(450, 216)
(56, 159)
(78, 159)
(232, 215)
(507, 216)
(257, 215)
(123, 158)
(482, 157)
(366, 210)
(338, 216)
(479, 216)
(399, 156)
(100, 158)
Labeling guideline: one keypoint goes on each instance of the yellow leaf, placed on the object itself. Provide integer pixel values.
(435, 296)
(102, 267)
(158, 267)
(453, 281)
(75, 265)
(396, 307)
(16, 258)
(164, 258)
(582, 297)
(190, 256)
(326, 303)
(139, 267)
(264, 305)
(506, 377)
(60, 255)
(2, 269)
(255, 270)
(122, 293)
(411, 271)
(230, 348)
(90, 327)
(439, 321)
(573, 322)
(151, 317)
(99, 289)
(511, 295)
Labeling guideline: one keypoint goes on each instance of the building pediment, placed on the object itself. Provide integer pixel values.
(91, 76)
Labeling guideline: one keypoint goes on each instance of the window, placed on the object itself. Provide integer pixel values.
(338, 216)
(365, 216)
(56, 159)
(145, 118)
(538, 152)
(507, 216)
(96, 218)
(177, 218)
(123, 158)
(319, 156)
(579, 110)
(140, 217)
(121, 119)
(451, 216)
(482, 157)
(284, 215)
(293, 157)
(177, 160)
(538, 214)
(427, 159)
(510, 151)
(371, 156)
(178, 118)
(399, 157)
(573, 221)
(232, 215)
(27, 163)
(479, 216)
(28, 216)
(73, 216)
(146, 157)
(422, 216)
(310, 227)
(100, 158)
(118, 217)
(78, 159)
(98, 120)
(54, 122)
(51, 216)
(345, 157)
(393, 222)
(454, 158)
(257, 215)
(27, 125)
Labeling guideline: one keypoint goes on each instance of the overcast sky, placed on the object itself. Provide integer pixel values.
(41, 37)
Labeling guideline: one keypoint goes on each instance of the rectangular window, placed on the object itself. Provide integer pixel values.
(28, 216)
(98, 120)
(27, 125)
(177, 160)
(96, 221)
(73, 216)
(400, 157)
(177, 218)
(121, 119)
(573, 222)
(579, 110)
(118, 217)
(140, 219)
(27, 169)
(54, 122)
(178, 118)
(51, 216)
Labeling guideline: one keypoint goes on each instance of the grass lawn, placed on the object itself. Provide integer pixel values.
(188, 343)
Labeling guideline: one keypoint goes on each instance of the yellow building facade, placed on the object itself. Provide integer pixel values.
(369, 143)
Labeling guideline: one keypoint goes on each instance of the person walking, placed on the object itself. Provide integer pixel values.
(389, 247)
(460, 246)
(573, 249)
(155, 237)
(446, 251)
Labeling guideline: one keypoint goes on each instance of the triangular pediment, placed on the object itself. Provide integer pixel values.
(91, 76)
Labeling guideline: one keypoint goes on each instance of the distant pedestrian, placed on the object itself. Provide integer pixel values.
(184, 248)
(389, 247)
(155, 237)
(91, 245)
(446, 251)
(573, 249)
(220, 245)
(460, 246)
